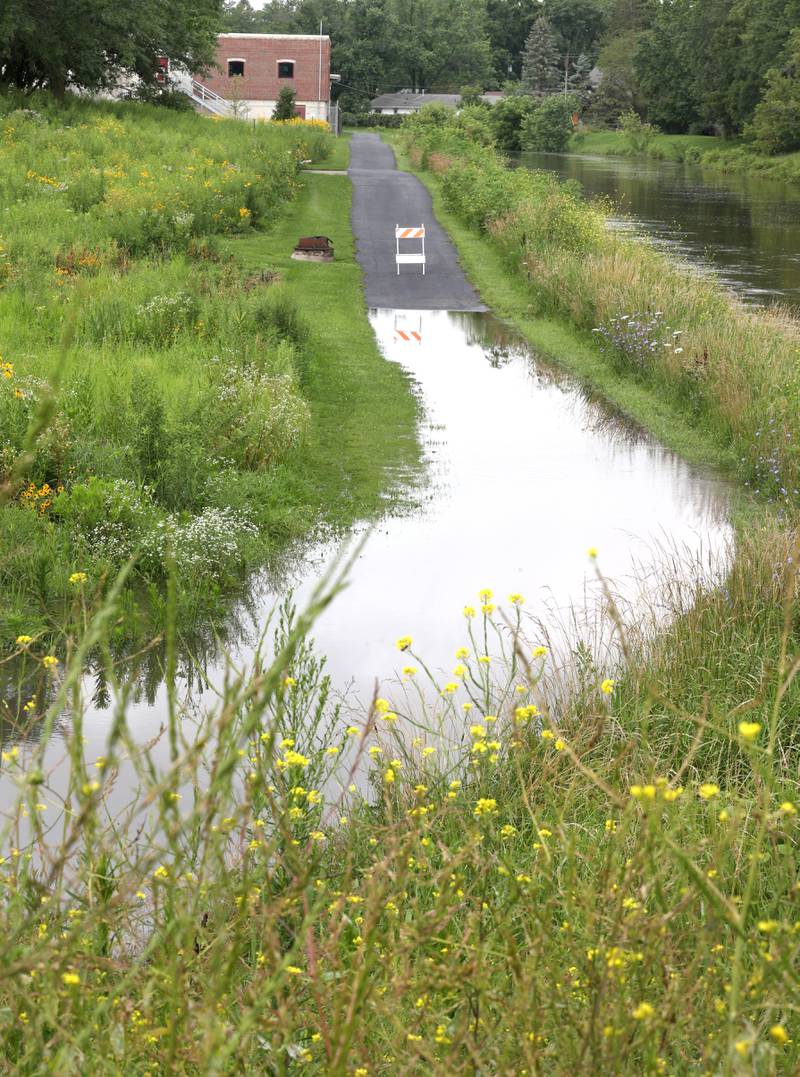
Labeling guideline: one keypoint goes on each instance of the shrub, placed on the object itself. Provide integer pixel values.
(109, 517)
(260, 417)
(638, 135)
(371, 119)
(548, 126)
(284, 106)
(506, 120)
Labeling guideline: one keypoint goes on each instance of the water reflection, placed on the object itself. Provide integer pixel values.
(525, 470)
(744, 228)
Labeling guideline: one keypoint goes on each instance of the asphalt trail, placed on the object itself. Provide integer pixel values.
(383, 197)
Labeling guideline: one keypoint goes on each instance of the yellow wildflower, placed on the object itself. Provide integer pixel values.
(643, 1012)
(607, 687)
(71, 979)
(779, 1034)
(23, 641)
(708, 790)
(404, 643)
(749, 731)
(78, 577)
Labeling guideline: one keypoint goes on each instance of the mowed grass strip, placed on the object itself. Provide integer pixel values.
(364, 412)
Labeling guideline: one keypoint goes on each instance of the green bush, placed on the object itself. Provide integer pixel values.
(506, 119)
(775, 127)
(284, 106)
(548, 126)
(638, 134)
(109, 517)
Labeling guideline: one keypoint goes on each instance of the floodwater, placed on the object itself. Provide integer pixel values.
(525, 473)
(744, 228)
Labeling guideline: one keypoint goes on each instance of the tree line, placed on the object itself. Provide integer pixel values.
(721, 66)
(684, 65)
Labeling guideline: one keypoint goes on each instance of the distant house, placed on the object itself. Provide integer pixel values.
(407, 102)
(252, 69)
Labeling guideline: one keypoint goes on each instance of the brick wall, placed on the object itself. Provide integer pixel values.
(261, 53)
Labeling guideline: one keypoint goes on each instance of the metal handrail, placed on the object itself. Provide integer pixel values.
(204, 93)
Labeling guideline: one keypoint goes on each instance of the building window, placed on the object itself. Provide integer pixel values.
(235, 69)
(285, 69)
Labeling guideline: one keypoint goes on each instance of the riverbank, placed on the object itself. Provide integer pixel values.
(509, 297)
(728, 370)
(202, 398)
(487, 869)
(721, 155)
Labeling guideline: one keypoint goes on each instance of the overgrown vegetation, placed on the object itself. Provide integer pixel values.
(176, 372)
(732, 370)
(488, 871)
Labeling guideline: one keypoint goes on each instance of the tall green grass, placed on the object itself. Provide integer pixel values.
(484, 872)
(178, 377)
(731, 370)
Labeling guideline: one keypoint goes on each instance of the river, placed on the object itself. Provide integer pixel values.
(746, 229)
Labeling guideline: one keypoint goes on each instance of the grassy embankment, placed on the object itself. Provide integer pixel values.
(205, 397)
(605, 885)
(712, 378)
(339, 156)
(731, 155)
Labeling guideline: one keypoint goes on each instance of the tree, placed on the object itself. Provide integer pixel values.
(548, 127)
(506, 119)
(618, 89)
(580, 83)
(776, 122)
(471, 95)
(611, 98)
(508, 24)
(577, 26)
(664, 66)
(284, 106)
(638, 135)
(541, 63)
(237, 102)
(92, 44)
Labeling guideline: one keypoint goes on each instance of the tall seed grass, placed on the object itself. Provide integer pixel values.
(464, 878)
(181, 389)
(733, 368)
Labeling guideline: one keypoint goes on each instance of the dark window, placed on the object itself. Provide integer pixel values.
(286, 69)
(235, 69)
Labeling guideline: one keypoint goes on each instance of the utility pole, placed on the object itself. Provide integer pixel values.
(319, 80)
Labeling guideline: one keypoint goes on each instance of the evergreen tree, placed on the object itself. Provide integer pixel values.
(541, 63)
(284, 106)
(579, 83)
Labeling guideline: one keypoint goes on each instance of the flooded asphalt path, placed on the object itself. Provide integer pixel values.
(382, 198)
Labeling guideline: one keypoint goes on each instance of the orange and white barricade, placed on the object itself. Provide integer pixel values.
(411, 232)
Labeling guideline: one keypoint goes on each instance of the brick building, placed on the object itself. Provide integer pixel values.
(264, 64)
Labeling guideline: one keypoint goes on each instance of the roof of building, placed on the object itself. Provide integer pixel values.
(287, 37)
(414, 100)
(406, 99)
